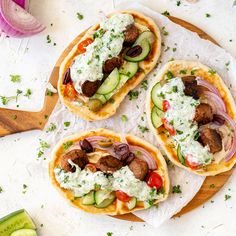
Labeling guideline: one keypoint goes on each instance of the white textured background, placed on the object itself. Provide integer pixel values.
(215, 218)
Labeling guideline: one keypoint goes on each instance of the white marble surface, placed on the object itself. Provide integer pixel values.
(215, 218)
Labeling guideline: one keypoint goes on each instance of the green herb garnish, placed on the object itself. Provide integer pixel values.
(176, 189)
(15, 78)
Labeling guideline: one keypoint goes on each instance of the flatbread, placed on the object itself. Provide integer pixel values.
(161, 134)
(146, 66)
(117, 207)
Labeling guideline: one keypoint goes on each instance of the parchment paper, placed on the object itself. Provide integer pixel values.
(189, 47)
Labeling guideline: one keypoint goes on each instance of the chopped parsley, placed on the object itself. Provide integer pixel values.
(1, 189)
(48, 39)
(174, 49)
(234, 3)
(175, 89)
(79, 16)
(165, 33)
(49, 92)
(227, 197)
(176, 189)
(143, 129)
(51, 127)
(144, 85)
(15, 78)
(212, 185)
(179, 131)
(133, 95)
(28, 93)
(184, 72)
(211, 72)
(193, 71)
(66, 123)
(165, 13)
(178, 3)
(124, 118)
(169, 75)
(109, 233)
(24, 188)
(208, 15)
(14, 117)
(67, 145)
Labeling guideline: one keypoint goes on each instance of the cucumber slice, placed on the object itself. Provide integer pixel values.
(180, 156)
(110, 83)
(24, 232)
(99, 97)
(104, 198)
(145, 45)
(123, 80)
(14, 221)
(132, 203)
(129, 68)
(156, 116)
(146, 35)
(88, 199)
(155, 98)
(147, 204)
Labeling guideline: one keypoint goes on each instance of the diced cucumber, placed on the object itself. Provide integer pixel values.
(123, 80)
(104, 198)
(129, 68)
(145, 35)
(180, 156)
(156, 116)
(145, 45)
(15, 221)
(110, 83)
(24, 232)
(148, 204)
(155, 98)
(99, 97)
(88, 199)
(132, 203)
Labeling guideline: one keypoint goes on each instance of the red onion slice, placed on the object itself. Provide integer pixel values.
(232, 124)
(20, 3)
(17, 22)
(207, 85)
(145, 156)
(215, 101)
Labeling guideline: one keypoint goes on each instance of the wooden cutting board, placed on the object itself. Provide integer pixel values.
(12, 121)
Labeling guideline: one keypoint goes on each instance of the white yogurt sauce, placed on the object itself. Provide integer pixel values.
(107, 44)
(180, 116)
(82, 182)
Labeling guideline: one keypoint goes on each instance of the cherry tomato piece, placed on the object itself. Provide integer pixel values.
(154, 180)
(169, 127)
(82, 46)
(122, 196)
(91, 167)
(70, 91)
(192, 165)
(165, 105)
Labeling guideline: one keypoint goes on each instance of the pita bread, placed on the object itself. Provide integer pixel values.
(117, 207)
(161, 134)
(109, 109)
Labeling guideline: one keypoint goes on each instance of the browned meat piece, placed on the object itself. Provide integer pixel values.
(77, 156)
(191, 87)
(86, 146)
(111, 64)
(203, 114)
(131, 34)
(109, 164)
(89, 88)
(211, 138)
(139, 168)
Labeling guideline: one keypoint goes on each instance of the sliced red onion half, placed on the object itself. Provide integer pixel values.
(207, 85)
(215, 101)
(232, 124)
(17, 22)
(146, 156)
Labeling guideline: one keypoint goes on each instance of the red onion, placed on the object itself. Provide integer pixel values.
(232, 124)
(207, 85)
(146, 156)
(20, 3)
(17, 22)
(215, 101)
